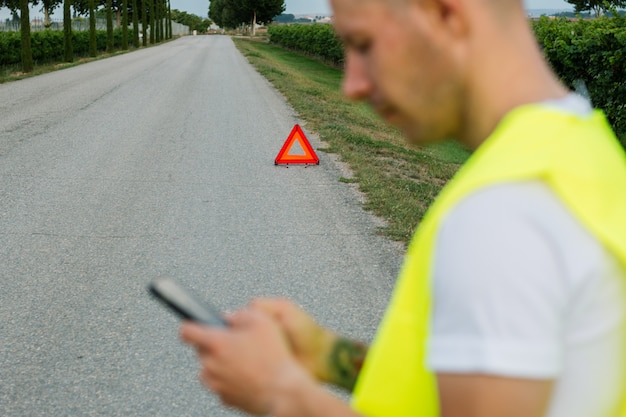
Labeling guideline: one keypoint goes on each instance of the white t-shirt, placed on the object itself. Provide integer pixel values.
(522, 289)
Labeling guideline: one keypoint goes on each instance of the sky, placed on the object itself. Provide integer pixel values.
(201, 7)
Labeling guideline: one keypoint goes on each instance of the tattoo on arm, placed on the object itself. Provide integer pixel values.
(345, 362)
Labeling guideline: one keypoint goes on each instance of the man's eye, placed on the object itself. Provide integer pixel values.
(361, 47)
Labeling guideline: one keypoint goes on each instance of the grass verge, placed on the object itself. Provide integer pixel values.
(14, 72)
(399, 181)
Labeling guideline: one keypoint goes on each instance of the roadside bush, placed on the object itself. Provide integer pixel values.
(10, 48)
(593, 51)
(317, 40)
(48, 46)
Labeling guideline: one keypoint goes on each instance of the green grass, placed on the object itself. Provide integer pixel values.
(399, 181)
(14, 72)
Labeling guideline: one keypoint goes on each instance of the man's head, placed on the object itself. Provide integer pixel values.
(417, 61)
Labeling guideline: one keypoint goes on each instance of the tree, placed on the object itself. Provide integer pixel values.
(89, 8)
(214, 13)
(157, 20)
(158, 13)
(93, 50)
(233, 13)
(285, 18)
(598, 7)
(48, 8)
(144, 23)
(124, 24)
(27, 54)
(262, 11)
(24, 18)
(152, 22)
(169, 19)
(135, 23)
(109, 12)
(67, 31)
(194, 22)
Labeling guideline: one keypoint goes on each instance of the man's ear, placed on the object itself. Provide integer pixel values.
(448, 16)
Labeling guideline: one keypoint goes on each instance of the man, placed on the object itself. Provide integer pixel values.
(512, 300)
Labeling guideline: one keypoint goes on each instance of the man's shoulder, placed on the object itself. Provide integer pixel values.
(524, 225)
(511, 211)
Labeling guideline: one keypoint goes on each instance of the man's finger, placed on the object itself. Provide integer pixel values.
(196, 334)
(247, 317)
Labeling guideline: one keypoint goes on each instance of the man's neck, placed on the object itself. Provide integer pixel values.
(510, 73)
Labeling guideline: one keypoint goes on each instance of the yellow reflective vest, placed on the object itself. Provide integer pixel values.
(578, 158)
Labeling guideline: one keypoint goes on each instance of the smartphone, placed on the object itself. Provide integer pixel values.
(183, 303)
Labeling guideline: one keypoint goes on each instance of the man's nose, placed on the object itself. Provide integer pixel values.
(356, 82)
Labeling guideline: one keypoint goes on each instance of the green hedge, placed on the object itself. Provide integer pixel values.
(593, 51)
(317, 40)
(10, 48)
(47, 46)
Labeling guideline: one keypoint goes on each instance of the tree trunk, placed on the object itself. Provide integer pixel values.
(144, 23)
(124, 13)
(67, 30)
(169, 19)
(46, 18)
(153, 20)
(109, 13)
(254, 24)
(135, 24)
(597, 10)
(161, 14)
(27, 54)
(92, 30)
(157, 20)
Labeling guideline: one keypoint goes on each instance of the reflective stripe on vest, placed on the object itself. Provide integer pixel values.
(578, 158)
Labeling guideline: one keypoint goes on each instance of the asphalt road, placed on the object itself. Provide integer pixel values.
(160, 162)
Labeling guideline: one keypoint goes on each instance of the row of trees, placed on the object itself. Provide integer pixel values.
(290, 18)
(234, 13)
(154, 14)
(597, 7)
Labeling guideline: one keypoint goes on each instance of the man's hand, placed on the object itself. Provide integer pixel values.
(248, 364)
(310, 343)
(327, 356)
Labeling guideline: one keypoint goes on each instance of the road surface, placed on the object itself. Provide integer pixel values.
(160, 163)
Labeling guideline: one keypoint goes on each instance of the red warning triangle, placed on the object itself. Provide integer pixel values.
(309, 156)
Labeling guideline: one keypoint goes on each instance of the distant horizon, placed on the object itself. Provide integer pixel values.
(35, 12)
